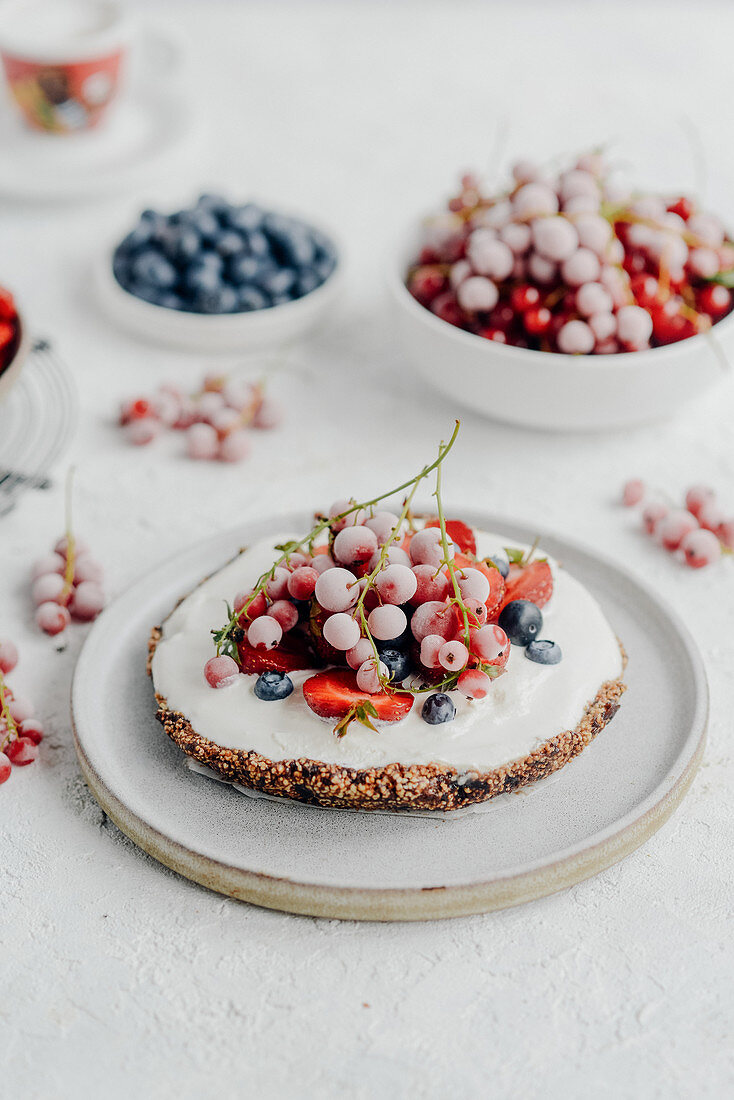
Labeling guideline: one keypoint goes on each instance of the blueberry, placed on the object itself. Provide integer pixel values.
(169, 300)
(213, 203)
(278, 283)
(521, 621)
(257, 243)
(323, 269)
(398, 664)
(502, 562)
(204, 222)
(251, 298)
(273, 685)
(245, 218)
(121, 268)
(210, 259)
(307, 281)
(229, 243)
(438, 708)
(219, 299)
(243, 269)
(401, 642)
(544, 652)
(151, 268)
(181, 243)
(136, 239)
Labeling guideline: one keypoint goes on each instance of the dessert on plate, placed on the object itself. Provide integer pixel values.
(387, 660)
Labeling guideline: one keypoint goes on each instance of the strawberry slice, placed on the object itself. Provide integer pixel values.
(459, 533)
(291, 655)
(334, 694)
(532, 582)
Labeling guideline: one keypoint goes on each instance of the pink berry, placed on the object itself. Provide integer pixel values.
(87, 601)
(255, 606)
(652, 516)
(473, 584)
(235, 447)
(20, 709)
(633, 492)
(517, 237)
(167, 406)
(397, 584)
(426, 547)
(302, 582)
(341, 631)
(707, 228)
(22, 751)
(52, 618)
(674, 527)
(726, 533)
(593, 298)
(208, 405)
(703, 262)
(581, 267)
(202, 442)
(710, 515)
(47, 589)
(474, 684)
(459, 271)
(386, 622)
(430, 585)
(268, 414)
(542, 271)
(224, 421)
(5, 768)
(353, 518)
(337, 589)
(576, 338)
(354, 545)
(322, 562)
(87, 569)
(604, 326)
(700, 548)
(489, 257)
(534, 200)
(433, 618)
(220, 672)
(477, 294)
(142, 432)
(62, 547)
(367, 676)
(285, 613)
(634, 325)
(453, 655)
(8, 656)
(697, 496)
(555, 238)
(430, 648)
(32, 729)
(277, 585)
(383, 524)
(264, 633)
(525, 171)
(52, 563)
(490, 643)
(395, 556)
(577, 182)
(594, 232)
(359, 653)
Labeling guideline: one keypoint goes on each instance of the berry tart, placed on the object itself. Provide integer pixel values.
(387, 661)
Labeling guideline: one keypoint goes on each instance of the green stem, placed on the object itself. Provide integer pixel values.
(448, 558)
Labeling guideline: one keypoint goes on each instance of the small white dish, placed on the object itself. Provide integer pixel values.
(258, 330)
(537, 389)
(152, 129)
(329, 863)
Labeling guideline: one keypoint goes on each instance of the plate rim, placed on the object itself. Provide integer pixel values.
(545, 876)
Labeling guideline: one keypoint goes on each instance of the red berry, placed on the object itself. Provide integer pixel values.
(532, 582)
(138, 409)
(726, 534)
(710, 515)
(5, 768)
(8, 656)
(524, 297)
(220, 672)
(22, 751)
(633, 492)
(460, 533)
(426, 283)
(697, 496)
(493, 334)
(332, 694)
(634, 263)
(428, 256)
(7, 334)
(33, 730)
(701, 548)
(52, 618)
(683, 207)
(502, 317)
(652, 516)
(255, 609)
(538, 321)
(673, 529)
(715, 300)
(474, 684)
(447, 309)
(646, 290)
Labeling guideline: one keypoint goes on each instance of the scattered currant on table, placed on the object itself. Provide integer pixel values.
(564, 262)
(698, 533)
(66, 584)
(20, 731)
(216, 419)
(397, 606)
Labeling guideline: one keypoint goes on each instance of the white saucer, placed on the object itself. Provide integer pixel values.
(303, 859)
(151, 130)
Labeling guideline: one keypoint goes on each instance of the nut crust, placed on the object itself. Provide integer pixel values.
(394, 786)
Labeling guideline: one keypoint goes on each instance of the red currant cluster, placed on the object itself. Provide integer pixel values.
(67, 584)
(8, 328)
(699, 532)
(20, 732)
(568, 264)
(215, 419)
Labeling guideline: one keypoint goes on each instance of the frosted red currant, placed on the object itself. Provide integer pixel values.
(700, 548)
(576, 338)
(426, 547)
(62, 547)
(397, 584)
(430, 649)
(517, 237)
(634, 325)
(476, 611)
(32, 729)
(47, 589)
(337, 589)
(604, 326)
(264, 633)
(386, 622)
(476, 294)
(581, 267)
(433, 618)
(726, 534)
(488, 256)
(430, 585)
(593, 298)
(5, 767)
(256, 605)
(633, 492)
(359, 653)
(652, 516)
(8, 656)
(87, 569)
(382, 524)
(554, 238)
(490, 644)
(474, 684)
(674, 527)
(395, 556)
(473, 584)
(302, 582)
(322, 562)
(87, 601)
(697, 496)
(52, 563)
(235, 447)
(277, 584)
(22, 751)
(268, 414)
(142, 432)
(52, 618)
(368, 676)
(202, 442)
(220, 672)
(354, 545)
(534, 200)
(710, 515)
(453, 655)
(541, 270)
(20, 709)
(284, 613)
(341, 631)
(594, 232)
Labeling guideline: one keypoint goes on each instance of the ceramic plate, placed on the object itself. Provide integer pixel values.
(303, 859)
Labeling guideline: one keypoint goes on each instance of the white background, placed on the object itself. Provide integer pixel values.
(116, 977)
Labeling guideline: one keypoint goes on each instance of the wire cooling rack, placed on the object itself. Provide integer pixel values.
(37, 422)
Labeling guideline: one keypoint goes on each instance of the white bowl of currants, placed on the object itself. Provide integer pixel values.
(566, 303)
(219, 276)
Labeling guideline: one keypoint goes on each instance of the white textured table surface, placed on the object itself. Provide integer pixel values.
(118, 978)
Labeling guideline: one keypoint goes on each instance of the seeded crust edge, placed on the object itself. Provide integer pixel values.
(394, 786)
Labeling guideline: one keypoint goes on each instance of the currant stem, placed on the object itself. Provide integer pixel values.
(70, 540)
(10, 722)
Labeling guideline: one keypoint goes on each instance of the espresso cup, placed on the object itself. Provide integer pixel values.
(63, 60)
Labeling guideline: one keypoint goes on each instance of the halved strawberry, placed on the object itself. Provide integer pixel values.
(532, 582)
(459, 533)
(334, 693)
(291, 655)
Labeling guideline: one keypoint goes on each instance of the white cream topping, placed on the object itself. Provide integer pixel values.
(527, 705)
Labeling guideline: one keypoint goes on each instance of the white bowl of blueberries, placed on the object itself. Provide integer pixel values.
(220, 276)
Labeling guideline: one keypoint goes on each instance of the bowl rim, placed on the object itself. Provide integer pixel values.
(252, 318)
(395, 277)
